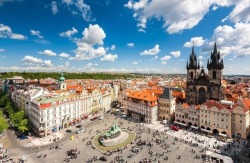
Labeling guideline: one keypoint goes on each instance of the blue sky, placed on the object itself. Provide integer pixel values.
(122, 35)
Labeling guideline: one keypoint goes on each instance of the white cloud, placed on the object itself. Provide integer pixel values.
(240, 13)
(54, 8)
(38, 62)
(134, 63)
(154, 58)
(30, 59)
(176, 15)
(112, 47)
(48, 63)
(130, 44)
(163, 62)
(165, 58)
(175, 53)
(196, 41)
(200, 57)
(48, 52)
(89, 65)
(64, 55)
(6, 32)
(91, 45)
(69, 33)
(141, 30)
(155, 50)
(2, 50)
(36, 33)
(109, 58)
(93, 35)
(231, 40)
(78, 7)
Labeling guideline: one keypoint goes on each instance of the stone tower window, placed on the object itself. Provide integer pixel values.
(214, 74)
(192, 75)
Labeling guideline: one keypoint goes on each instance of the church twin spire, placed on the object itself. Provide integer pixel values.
(215, 62)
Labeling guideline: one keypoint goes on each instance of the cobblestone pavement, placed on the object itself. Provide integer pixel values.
(169, 148)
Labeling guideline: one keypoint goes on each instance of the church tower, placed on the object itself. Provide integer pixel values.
(201, 86)
(62, 84)
(215, 67)
(193, 68)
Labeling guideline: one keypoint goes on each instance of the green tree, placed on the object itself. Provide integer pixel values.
(17, 117)
(22, 126)
(3, 123)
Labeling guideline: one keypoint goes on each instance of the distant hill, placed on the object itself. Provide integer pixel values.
(42, 75)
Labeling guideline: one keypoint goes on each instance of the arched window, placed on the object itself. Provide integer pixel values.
(192, 75)
(214, 74)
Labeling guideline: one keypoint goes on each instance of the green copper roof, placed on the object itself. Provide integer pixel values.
(62, 77)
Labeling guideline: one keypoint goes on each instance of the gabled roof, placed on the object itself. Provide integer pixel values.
(146, 96)
(212, 103)
(167, 94)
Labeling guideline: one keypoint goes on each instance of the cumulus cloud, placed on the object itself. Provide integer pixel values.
(64, 55)
(78, 7)
(30, 59)
(240, 13)
(91, 44)
(36, 33)
(6, 32)
(155, 50)
(69, 33)
(134, 63)
(48, 52)
(130, 44)
(163, 62)
(112, 47)
(231, 40)
(165, 58)
(176, 15)
(196, 41)
(175, 53)
(109, 58)
(54, 8)
(2, 50)
(154, 58)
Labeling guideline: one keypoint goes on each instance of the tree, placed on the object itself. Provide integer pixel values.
(22, 126)
(3, 123)
(16, 118)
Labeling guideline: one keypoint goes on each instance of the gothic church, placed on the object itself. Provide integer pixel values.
(202, 86)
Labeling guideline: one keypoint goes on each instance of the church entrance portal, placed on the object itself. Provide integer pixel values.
(202, 95)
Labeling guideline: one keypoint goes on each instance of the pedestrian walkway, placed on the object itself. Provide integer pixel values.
(27, 145)
(46, 140)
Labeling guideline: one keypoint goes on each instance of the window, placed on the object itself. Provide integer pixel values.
(240, 121)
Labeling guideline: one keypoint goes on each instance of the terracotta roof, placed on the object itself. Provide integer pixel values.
(179, 94)
(246, 103)
(146, 96)
(212, 103)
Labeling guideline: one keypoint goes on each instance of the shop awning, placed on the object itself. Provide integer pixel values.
(194, 127)
(224, 135)
(208, 131)
(183, 124)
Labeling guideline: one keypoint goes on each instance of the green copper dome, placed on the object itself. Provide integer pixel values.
(62, 77)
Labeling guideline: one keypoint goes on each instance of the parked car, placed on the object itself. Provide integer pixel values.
(80, 130)
(69, 131)
(79, 126)
(94, 118)
(175, 128)
(22, 137)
